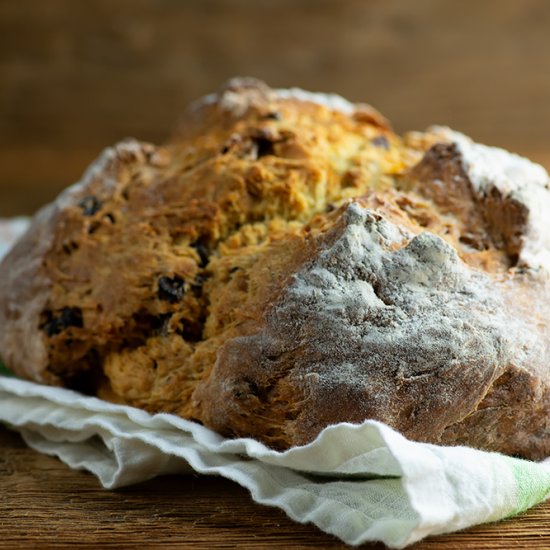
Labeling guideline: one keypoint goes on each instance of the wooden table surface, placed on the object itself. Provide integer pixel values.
(43, 503)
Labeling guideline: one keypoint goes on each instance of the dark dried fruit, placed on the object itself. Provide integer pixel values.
(171, 289)
(191, 330)
(197, 284)
(381, 141)
(65, 318)
(90, 205)
(203, 252)
(69, 247)
(199, 280)
(160, 323)
(273, 115)
(264, 147)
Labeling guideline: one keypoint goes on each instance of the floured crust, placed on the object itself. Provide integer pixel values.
(287, 262)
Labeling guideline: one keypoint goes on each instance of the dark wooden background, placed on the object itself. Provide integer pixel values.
(77, 76)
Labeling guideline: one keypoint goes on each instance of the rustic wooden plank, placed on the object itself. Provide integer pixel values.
(43, 501)
(77, 76)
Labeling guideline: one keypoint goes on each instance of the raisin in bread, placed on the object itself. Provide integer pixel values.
(286, 262)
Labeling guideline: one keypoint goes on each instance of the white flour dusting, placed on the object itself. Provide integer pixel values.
(331, 101)
(388, 316)
(238, 102)
(517, 178)
(382, 289)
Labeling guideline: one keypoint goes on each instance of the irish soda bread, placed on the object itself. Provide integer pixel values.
(286, 262)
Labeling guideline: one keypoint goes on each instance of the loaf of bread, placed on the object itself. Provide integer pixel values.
(286, 262)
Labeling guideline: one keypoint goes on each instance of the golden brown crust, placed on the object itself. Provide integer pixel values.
(173, 278)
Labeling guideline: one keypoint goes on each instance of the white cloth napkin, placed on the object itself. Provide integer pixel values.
(359, 482)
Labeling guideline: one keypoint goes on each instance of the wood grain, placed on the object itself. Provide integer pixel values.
(43, 503)
(78, 76)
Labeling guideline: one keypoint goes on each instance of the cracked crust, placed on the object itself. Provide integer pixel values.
(287, 262)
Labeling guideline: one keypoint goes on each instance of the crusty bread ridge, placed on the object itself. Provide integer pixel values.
(286, 262)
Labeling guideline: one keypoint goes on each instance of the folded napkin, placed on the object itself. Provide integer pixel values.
(359, 482)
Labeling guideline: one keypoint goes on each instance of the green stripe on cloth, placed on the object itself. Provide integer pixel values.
(532, 482)
(4, 371)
